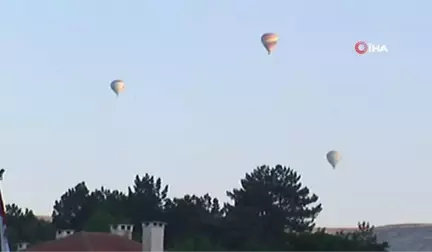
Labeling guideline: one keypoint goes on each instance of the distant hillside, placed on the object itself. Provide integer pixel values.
(44, 217)
(401, 237)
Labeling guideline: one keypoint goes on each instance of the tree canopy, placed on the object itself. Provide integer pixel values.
(271, 210)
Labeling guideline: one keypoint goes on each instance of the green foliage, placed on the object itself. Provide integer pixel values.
(98, 221)
(145, 200)
(73, 208)
(192, 216)
(271, 211)
(23, 226)
(270, 203)
(196, 243)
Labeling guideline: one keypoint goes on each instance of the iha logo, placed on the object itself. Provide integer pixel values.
(363, 47)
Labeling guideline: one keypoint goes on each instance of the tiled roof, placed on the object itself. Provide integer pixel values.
(89, 241)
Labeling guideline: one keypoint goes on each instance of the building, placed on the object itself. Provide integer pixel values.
(119, 239)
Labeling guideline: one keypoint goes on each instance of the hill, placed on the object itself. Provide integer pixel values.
(401, 237)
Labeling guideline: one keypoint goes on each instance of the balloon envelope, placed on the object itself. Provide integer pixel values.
(269, 41)
(333, 157)
(117, 86)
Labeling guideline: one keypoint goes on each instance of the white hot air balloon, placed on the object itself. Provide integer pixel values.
(333, 157)
(117, 86)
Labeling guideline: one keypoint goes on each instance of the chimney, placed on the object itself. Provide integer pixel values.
(153, 236)
(22, 246)
(124, 230)
(62, 233)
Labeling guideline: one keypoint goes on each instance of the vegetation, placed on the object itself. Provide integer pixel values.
(271, 210)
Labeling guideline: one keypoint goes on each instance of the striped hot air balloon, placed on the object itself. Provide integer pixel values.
(269, 41)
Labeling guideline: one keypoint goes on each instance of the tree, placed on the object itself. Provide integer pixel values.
(145, 201)
(271, 211)
(321, 241)
(74, 208)
(23, 226)
(365, 238)
(196, 243)
(45, 231)
(113, 202)
(193, 216)
(14, 216)
(271, 202)
(100, 221)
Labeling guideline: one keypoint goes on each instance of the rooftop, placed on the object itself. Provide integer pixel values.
(89, 241)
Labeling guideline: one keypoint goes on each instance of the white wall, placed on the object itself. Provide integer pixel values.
(153, 235)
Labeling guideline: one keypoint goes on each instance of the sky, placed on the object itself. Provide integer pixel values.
(204, 104)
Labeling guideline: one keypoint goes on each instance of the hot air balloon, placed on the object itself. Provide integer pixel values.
(269, 40)
(117, 86)
(333, 157)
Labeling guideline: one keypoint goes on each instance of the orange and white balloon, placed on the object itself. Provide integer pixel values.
(269, 41)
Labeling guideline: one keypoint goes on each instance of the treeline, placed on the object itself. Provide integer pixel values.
(271, 210)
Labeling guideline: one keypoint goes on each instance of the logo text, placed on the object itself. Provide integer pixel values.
(362, 47)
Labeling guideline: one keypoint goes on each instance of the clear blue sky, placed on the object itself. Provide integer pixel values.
(204, 103)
